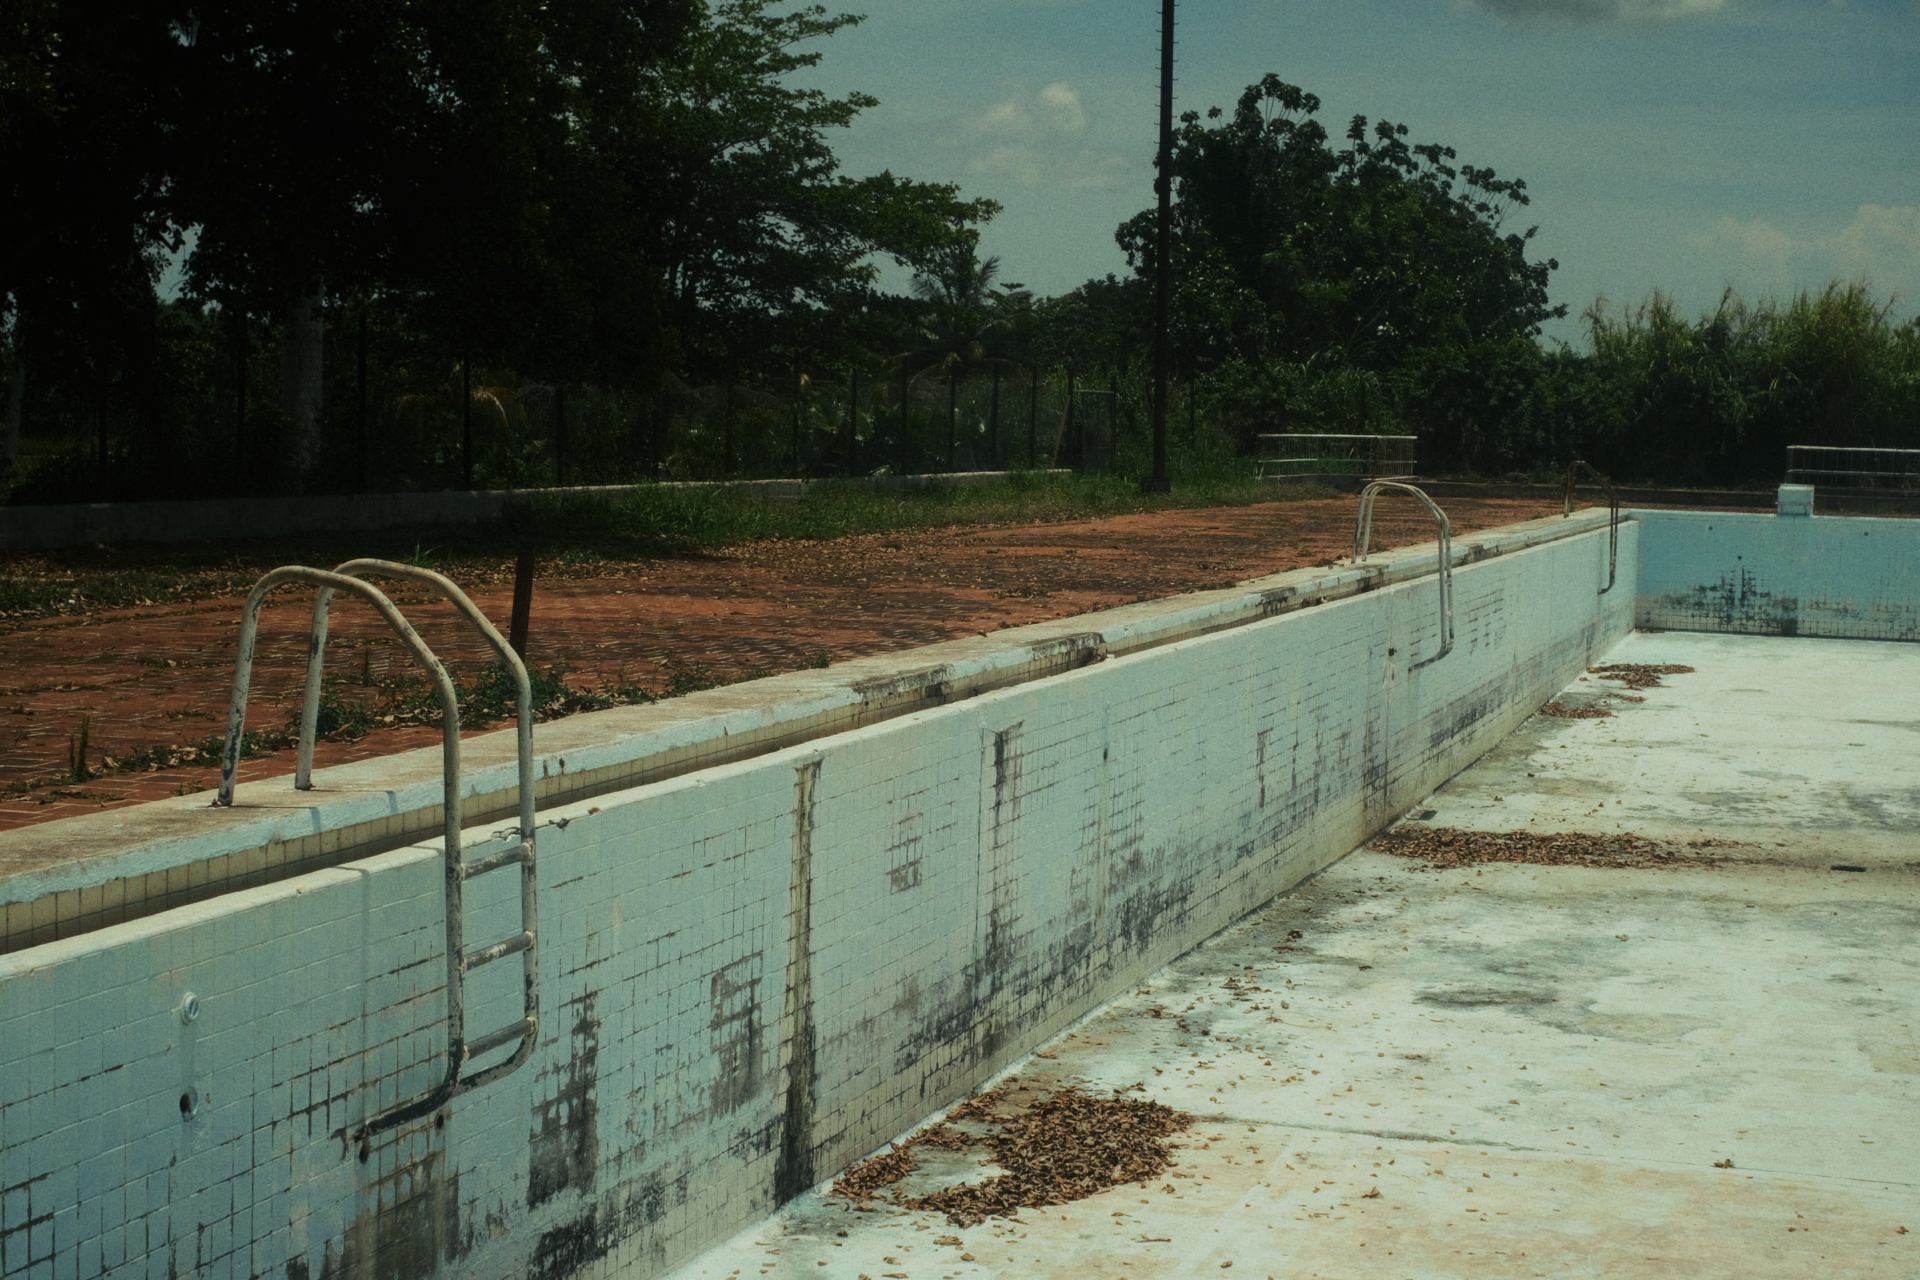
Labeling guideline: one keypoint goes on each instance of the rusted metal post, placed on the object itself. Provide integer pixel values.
(522, 602)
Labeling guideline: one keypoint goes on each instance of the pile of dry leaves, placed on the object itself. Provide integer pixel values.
(1575, 711)
(1057, 1148)
(1442, 847)
(1640, 675)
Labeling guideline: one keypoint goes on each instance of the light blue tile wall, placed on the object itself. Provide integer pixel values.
(1834, 576)
(976, 876)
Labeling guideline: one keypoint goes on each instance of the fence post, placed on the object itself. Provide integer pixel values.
(560, 433)
(1033, 417)
(906, 441)
(360, 397)
(466, 415)
(1079, 444)
(1113, 420)
(853, 418)
(993, 415)
(953, 430)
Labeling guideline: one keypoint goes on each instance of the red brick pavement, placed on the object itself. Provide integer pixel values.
(157, 675)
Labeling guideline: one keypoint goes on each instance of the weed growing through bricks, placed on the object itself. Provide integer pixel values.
(77, 750)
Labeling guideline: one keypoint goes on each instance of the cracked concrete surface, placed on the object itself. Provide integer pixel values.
(1519, 1070)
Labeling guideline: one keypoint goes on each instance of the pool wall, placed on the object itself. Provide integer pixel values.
(1843, 578)
(750, 975)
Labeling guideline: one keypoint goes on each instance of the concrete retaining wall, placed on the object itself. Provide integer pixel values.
(1853, 578)
(32, 528)
(751, 974)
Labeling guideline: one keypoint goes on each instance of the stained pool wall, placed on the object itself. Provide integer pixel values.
(750, 975)
(1837, 577)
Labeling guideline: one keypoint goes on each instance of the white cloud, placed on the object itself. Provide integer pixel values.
(1054, 111)
(1041, 137)
(1880, 244)
(1061, 103)
(1592, 11)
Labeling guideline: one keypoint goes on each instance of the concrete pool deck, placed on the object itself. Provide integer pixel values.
(1524, 1070)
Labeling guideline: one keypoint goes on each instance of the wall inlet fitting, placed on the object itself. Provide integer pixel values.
(1363, 542)
(461, 1049)
(1580, 467)
(189, 1008)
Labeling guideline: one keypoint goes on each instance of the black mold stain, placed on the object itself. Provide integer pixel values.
(297, 1269)
(564, 1147)
(406, 1226)
(567, 1248)
(564, 1250)
(1260, 764)
(794, 1169)
(734, 997)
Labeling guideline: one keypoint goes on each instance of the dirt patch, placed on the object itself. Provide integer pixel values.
(1055, 1148)
(1444, 847)
(1639, 675)
(149, 664)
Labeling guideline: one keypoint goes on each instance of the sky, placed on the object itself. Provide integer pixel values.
(1687, 146)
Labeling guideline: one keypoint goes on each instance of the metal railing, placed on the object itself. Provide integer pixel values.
(1363, 543)
(456, 869)
(1854, 467)
(1337, 454)
(1577, 468)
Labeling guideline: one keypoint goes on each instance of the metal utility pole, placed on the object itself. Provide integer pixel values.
(1159, 482)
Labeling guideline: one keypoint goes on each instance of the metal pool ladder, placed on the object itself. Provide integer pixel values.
(1363, 543)
(1577, 468)
(350, 577)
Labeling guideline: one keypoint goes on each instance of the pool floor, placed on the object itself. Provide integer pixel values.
(1707, 1068)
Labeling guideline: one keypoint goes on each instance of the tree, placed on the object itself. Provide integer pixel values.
(82, 178)
(762, 241)
(1360, 256)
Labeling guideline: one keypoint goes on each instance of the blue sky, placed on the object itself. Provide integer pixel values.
(1684, 145)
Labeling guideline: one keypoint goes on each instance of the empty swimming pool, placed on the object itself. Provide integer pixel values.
(786, 922)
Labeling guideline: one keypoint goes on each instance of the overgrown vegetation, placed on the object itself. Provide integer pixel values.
(423, 246)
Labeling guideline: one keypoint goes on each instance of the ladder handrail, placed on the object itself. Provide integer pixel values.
(316, 654)
(243, 675)
(456, 870)
(1574, 471)
(1363, 542)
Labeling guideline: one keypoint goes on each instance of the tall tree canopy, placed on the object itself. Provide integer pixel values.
(1292, 250)
(762, 238)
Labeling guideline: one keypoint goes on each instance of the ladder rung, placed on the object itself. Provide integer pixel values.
(521, 941)
(494, 1039)
(493, 862)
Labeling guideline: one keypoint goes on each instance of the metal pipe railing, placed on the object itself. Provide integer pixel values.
(243, 676)
(1363, 542)
(516, 668)
(1575, 470)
